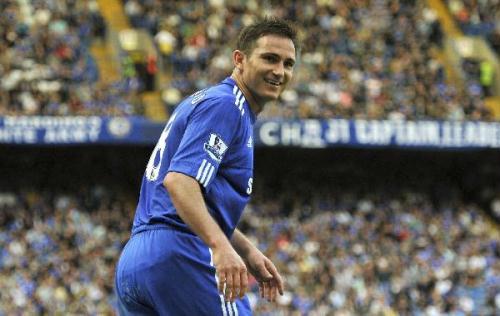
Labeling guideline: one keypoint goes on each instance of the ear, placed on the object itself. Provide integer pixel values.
(238, 58)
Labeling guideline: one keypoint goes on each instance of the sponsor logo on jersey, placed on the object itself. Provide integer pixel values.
(215, 147)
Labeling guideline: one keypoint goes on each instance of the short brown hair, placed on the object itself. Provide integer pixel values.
(268, 26)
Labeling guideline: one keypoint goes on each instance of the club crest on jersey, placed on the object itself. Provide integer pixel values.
(215, 147)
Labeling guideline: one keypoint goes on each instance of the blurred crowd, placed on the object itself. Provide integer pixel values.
(478, 18)
(58, 252)
(45, 61)
(367, 59)
(351, 255)
(340, 254)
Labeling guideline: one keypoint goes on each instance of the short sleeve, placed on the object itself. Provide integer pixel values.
(210, 131)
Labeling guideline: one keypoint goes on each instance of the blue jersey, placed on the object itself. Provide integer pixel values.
(209, 137)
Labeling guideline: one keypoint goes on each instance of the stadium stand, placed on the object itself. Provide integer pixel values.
(46, 65)
(355, 66)
(375, 74)
(365, 231)
(478, 43)
(476, 17)
(346, 244)
(59, 254)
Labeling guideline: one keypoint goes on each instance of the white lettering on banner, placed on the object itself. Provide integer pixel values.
(94, 133)
(69, 135)
(417, 133)
(484, 134)
(78, 129)
(374, 132)
(18, 135)
(429, 132)
(446, 139)
(362, 132)
(457, 134)
(487, 134)
(337, 131)
(452, 135)
(291, 134)
(383, 132)
(411, 133)
(495, 135)
(50, 122)
(471, 134)
(269, 133)
(312, 134)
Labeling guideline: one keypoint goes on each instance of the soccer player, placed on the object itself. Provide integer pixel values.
(185, 255)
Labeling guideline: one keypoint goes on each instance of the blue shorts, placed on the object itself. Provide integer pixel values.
(163, 271)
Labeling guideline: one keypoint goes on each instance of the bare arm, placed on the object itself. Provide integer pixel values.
(261, 267)
(188, 200)
(241, 243)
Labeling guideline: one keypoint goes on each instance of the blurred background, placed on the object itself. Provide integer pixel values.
(377, 173)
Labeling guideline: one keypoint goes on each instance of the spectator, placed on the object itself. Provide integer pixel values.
(367, 59)
(478, 18)
(44, 50)
(59, 252)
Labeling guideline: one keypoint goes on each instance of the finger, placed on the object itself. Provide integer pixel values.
(261, 289)
(236, 286)
(265, 289)
(274, 291)
(229, 286)
(244, 283)
(270, 291)
(221, 276)
(276, 276)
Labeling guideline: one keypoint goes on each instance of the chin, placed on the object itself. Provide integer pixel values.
(272, 96)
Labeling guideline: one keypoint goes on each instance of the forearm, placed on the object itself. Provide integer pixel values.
(188, 201)
(242, 244)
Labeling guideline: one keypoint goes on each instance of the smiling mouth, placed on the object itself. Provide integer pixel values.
(273, 82)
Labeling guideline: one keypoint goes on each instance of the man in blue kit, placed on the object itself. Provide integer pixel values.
(185, 255)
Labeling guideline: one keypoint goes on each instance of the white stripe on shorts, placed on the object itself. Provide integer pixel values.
(222, 305)
(235, 309)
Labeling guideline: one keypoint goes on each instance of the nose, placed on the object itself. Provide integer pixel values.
(279, 70)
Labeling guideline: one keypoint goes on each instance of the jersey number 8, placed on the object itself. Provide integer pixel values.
(154, 163)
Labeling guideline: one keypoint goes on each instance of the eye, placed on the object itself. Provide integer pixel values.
(270, 58)
(289, 64)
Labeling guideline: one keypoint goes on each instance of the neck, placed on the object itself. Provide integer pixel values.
(255, 106)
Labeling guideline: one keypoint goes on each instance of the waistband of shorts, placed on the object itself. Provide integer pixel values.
(166, 226)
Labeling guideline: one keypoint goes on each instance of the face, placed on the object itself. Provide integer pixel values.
(269, 67)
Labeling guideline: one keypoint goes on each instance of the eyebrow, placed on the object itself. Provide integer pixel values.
(288, 59)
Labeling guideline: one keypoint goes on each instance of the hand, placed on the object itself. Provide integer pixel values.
(231, 272)
(270, 281)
